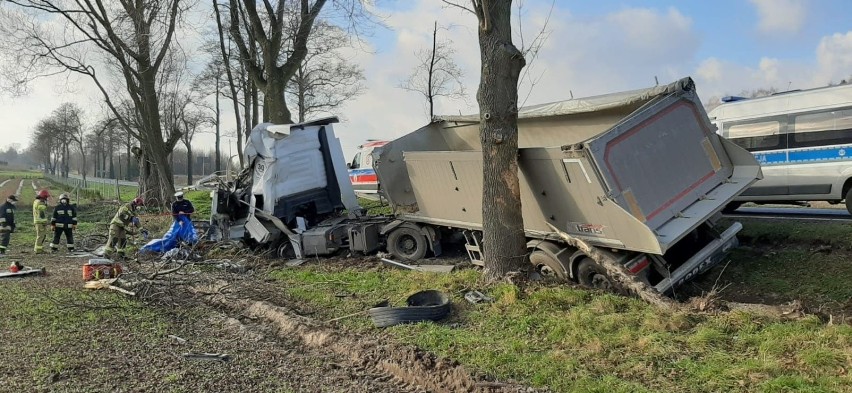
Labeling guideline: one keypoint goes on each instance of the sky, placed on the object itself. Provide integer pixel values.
(591, 48)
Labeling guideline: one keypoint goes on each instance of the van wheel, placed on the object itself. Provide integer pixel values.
(592, 275)
(407, 244)
(849, 200)
(548, 266)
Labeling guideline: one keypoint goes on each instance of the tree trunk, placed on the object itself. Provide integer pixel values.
(188, 164)
(111, 160)
(227, 62)
(218, 127)
(432, 72)
(255, 108)
(300, 90)
(275, 101)
(504, 241)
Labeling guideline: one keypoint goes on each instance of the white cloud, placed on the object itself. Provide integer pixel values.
(780, 16)
(834, 57)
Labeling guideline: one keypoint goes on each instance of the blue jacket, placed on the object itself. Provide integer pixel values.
(64, 216)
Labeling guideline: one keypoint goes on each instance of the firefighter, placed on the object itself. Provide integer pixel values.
(64, 221)
(181, 206)
(122, 225)
(40, 220)
(7, 222)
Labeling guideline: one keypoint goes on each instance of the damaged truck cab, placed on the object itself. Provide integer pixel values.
(640, 173)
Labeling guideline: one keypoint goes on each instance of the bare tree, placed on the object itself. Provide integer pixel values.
(504, 241)
(277, 58)
(437, 75)
(225, 52)
(134, 37)
(326, 79)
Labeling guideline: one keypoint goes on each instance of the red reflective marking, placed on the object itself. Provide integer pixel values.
(681, 195)
(639, 266)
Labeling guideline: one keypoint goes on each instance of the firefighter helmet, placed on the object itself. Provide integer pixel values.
(43, 194)
(138, 201)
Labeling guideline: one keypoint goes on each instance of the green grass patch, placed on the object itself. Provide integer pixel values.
(776, 232)
(374, 207)
(201, 200)
(573, 340)
(8, 174)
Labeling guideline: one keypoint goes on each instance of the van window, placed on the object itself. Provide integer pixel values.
(824, 128)
(757, 136)
(356, 161)
(754, 129)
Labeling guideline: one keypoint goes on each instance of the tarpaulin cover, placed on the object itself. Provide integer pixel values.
(181, 230)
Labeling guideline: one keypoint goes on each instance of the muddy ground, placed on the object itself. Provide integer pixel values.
(271, 347)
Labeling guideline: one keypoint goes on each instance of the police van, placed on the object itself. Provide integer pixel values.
(361, 171)
(802, 139)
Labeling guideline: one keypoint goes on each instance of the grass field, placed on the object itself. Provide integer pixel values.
(557, 336)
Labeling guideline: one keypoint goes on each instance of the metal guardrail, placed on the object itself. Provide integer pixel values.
(108, 188)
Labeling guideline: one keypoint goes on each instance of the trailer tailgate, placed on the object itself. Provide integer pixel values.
(664, 159)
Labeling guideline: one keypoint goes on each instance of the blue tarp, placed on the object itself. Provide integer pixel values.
(181, 230)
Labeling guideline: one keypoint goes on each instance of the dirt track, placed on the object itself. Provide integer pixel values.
(272, 348)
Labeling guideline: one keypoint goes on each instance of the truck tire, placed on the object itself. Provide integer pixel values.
(548, 266)
(592, 275)
(407, 244)
(428, 305)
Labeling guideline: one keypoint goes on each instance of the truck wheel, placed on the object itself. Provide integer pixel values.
(849, 201)
(548, 266)
(407, 244)
(592, 275)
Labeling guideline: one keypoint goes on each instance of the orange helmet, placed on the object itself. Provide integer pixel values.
(43, 194)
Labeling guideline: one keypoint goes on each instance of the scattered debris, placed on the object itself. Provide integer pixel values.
(429, 305)
(26, 271)
(216, 357)
(178, 339)
(295, 262)
(420, 268)
(107, 284)
(383, 303)
(476, 297)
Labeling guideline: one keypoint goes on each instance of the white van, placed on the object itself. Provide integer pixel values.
(802, 139)
(361, 171)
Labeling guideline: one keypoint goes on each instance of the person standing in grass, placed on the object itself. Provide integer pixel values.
(40, 220)
(64, 221)
(181, 207)
(118, 227)
(7, 222)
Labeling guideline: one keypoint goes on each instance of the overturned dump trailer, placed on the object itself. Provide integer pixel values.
(640, 173)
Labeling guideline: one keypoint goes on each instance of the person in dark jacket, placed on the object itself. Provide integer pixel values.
(181, 206)
(64, 221)
(7, 222)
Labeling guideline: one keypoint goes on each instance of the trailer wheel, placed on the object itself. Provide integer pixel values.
(592, 275)
(407, 244)
(548, 266)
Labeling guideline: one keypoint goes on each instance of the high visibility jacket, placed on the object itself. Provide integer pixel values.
(39, 211)
(64, 216)
(124, 216)
(7, 215)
